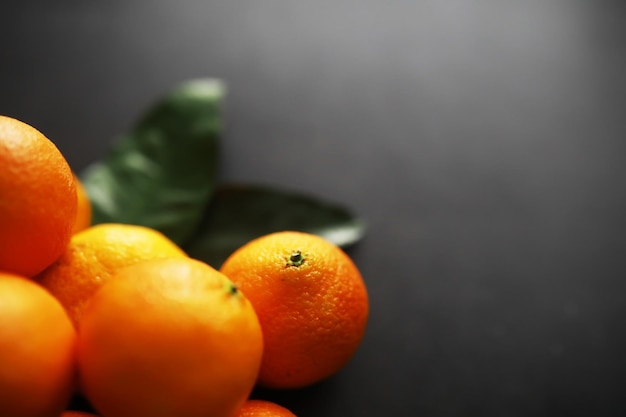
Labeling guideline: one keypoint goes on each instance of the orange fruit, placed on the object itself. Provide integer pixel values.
(37, 350)
(262, 408)
(310, 299)
(83, 208)
(169, 338)
(37, 199)
(96, 253)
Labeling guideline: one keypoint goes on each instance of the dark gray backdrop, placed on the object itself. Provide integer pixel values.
(482, 141)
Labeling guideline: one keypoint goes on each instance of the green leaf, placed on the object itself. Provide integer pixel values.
(162, 173)
(240, 213)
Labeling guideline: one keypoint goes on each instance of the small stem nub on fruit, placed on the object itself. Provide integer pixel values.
(296, 259)
(232, 288)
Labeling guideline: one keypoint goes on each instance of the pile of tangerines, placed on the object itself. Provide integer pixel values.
(120, 315)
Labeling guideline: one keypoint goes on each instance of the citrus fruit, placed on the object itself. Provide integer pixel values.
(168, 338)
(83, 208)
(310, 299)
(94, 254)
(262, 408)
(37, 199)
(37, 350)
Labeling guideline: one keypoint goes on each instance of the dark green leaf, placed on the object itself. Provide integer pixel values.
(162, 173)
(238, 214)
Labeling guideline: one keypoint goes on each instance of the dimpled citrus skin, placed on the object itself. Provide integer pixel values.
(95, 254)
(262, 408)
(169, 338)
(311, 301)
(37, 350)
(37, 199)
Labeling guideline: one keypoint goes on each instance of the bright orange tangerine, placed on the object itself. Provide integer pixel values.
(169, 338)
(37, 199)
(95, 254)
(311, 301)
(37, 350)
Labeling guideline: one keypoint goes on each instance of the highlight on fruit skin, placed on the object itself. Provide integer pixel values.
(311, 301)
(262, 408)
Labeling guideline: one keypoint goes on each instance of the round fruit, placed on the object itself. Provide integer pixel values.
(169, 338)
(262, 408)
(311, 301)
(37, 199)
(37, 350)
(83, 208)
(96, 253)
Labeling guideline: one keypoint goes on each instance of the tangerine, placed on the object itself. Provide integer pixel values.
(310, 299)
(262, 408)
(168, 338)
(95, 254)
(37, 199)
(37, 350)
(83, 208)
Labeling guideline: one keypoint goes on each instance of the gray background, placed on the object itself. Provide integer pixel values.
(482, 141)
